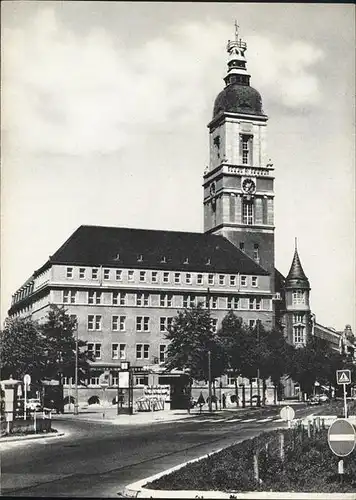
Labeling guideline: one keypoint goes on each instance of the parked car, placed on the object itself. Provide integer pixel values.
(314, 400)
(323, 398)
(34, 404)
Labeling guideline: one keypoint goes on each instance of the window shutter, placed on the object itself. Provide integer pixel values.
(250, 148)
(240, 148)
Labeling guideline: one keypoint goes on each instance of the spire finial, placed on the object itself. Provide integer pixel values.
(295, 243)
(236, 31)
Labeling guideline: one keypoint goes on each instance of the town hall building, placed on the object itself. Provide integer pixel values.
(126, 285)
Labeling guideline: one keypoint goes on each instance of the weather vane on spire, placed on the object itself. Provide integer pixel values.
(236, 31)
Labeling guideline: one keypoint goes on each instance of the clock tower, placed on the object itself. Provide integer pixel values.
(238, 183)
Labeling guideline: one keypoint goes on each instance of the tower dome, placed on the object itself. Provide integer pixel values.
(238, 96)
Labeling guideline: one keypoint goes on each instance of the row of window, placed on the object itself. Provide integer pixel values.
(298, 297)
(160, 276)
(118, 323)
(166, 300)
(118, 351)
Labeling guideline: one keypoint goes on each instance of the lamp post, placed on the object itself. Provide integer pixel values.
(258, 367)
(209, 358)
(76, 371)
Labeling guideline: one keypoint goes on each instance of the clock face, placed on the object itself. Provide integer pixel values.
(249, 186)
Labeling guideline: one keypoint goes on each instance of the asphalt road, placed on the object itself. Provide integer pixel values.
(99, 460)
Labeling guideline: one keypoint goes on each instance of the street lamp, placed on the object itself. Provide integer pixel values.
(76, 371)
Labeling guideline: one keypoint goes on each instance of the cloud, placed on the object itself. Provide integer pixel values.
(286, 70)
(65, 93)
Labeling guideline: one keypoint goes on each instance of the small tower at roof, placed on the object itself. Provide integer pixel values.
(237, 61)
(296, 277)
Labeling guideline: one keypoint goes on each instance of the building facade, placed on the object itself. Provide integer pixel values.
(125, 286)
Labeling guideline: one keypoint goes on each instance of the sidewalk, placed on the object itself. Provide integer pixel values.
(109, 415)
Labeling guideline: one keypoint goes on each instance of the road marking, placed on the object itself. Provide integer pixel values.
(279, 420)
(265, 419)
(234, 420)
(248, 420)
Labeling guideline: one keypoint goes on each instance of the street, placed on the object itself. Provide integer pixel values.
(96, 459)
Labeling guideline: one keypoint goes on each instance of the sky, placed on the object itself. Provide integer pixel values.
(104, 113)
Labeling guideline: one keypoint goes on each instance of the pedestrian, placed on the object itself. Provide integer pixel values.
(201, 401)
(224, 400)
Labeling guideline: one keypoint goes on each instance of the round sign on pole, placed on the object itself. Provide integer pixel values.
(287, 413)
(27, 379)
(104, 380)
(341, 437)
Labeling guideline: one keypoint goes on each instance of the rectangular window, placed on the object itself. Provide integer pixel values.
(142, 351)
(243, 280)
(142, 276)
(142, 299)
(298, 335)
(199, 279)
(69, 296)
(69, 272)
(130, 275)
(141, 380)
(298, 318)
(232, 280)
(94, 297)
(188, 278)
(258, 304)
(189, 301)
(166, 300)
(106, 274)
(118, 351)
(94, 322)
(95, 349)
(251, 304)
(166, 277)
(154, 277)
(115, 298)
(176, 278)
(246, 149)
(94, 381)
(256, 252)
(82, 273)
(247, 212)
(118, 323)
(211, 279)
(214, 302)
(115, 351)
(252, 323)
(94, 273)
(118, 275)
(298, 297)
(165, 323)
(162, 353)
(254, 281)
(233, 302)
(122, 298)
(214, 324)
(242, 246)
(221, 279)
(142, 324)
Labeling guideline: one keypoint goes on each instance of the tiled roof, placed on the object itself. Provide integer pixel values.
(150, 249)
(296, 275)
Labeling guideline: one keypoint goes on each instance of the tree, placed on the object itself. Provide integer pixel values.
(22, 349)
(60, 346)
(310, 364)
(191, 336)
(234, 339)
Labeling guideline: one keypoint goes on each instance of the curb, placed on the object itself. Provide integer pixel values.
(31, 437)
(138, 490)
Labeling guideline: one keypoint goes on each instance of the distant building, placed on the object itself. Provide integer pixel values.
(125, 285)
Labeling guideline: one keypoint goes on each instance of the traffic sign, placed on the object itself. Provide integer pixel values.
(287, 413)
(343, 376)
(341, 437)
(27, 379)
